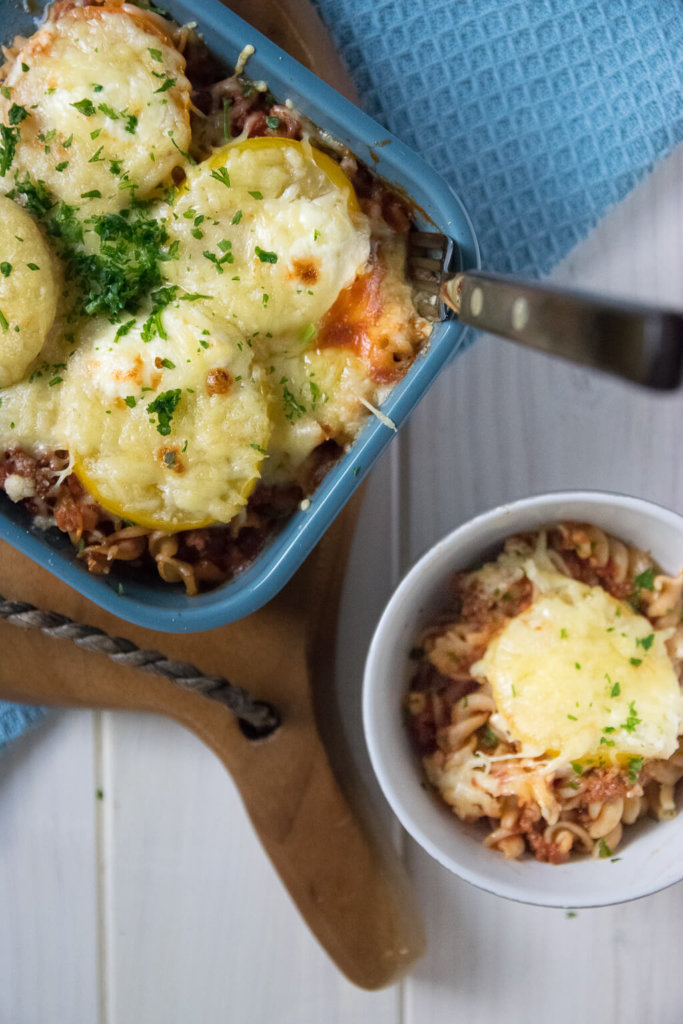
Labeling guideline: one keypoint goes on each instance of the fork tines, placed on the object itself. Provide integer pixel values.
(429, 260)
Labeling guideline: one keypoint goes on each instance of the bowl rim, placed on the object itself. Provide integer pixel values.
(161, 607)
(446, 548)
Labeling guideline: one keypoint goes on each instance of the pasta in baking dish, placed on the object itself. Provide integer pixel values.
(202, 298)
(546, 701)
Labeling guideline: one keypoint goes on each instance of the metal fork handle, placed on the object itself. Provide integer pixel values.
(637, 342)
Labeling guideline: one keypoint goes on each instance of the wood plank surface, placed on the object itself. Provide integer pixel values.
(184, 921)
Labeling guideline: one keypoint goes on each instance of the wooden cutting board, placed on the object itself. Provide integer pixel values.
(352, 892)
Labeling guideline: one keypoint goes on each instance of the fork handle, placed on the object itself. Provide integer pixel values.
(640, 343)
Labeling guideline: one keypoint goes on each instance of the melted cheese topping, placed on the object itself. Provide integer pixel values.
(313, 396)
(579, 676)
(111, 125)
(270, 229)
(28, 292)
(169, 432)
(172, 412)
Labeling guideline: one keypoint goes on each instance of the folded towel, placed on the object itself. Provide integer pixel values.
(540, 113)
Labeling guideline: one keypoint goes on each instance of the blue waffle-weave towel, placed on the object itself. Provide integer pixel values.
(540, 113)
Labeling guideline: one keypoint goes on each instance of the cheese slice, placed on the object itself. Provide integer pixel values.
(579, 676)
(28, 292)
(165, 417)
(106, 107)
(270, 229)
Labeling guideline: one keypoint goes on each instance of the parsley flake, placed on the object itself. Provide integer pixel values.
(265, 257)
(646, 580)
(85, 107)
(221, 174)
(164, 406)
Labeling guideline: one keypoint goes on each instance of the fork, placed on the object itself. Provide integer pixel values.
(641, 343)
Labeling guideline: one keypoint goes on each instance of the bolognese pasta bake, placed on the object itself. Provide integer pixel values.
(202, 296)
(546, 701)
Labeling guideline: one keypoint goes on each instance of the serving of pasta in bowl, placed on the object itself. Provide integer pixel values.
(207, 331)
(522, 699)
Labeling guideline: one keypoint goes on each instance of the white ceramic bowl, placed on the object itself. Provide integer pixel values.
(650, 856)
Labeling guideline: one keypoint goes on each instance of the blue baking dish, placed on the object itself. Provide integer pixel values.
(163, 607)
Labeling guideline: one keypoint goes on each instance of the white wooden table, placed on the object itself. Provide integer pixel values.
(131, 886)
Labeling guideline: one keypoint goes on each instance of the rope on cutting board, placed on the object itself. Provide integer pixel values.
(256, 718)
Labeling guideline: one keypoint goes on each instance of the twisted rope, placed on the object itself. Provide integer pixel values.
(256, 718)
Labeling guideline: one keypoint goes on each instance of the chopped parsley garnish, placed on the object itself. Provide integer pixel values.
(156, 55)
(62, 166)
(227, 256)
(33, 266)
(636, 662)
(237, 218)
(221, 174)
(578, 767)
(273, 122)
(167, 364)
(634, 766)
(67, 142)
(17, 114)
(164, 406)
(632, 721)
(131, 122)
(131, 401)
(124, 270)
(256, 195)
(4, 322)
(293, 408)
(85, 107)
(5, 268)
(8, 145)
(265, 257)
(108, 111)
(307, 334)
(55, 380)
(190, 159)
(96, 158)
(645, 641)
(165, 86)
(563, 634)
(603, 849)
(93, 194)
(97, 88)
(572, 718)
(616, 690)
(258, 448)
(488, 738)
(646, 580)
